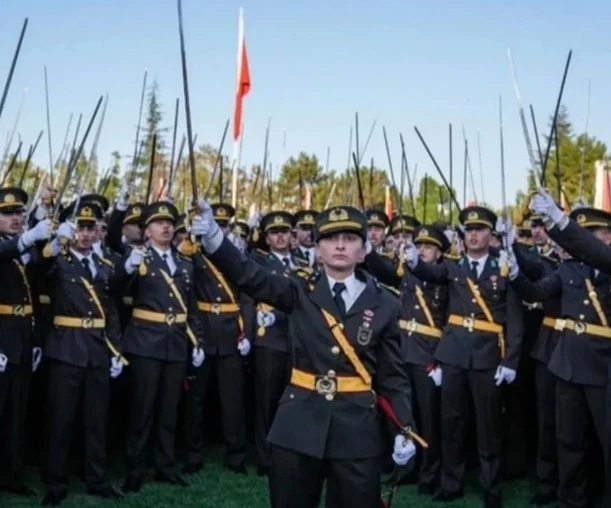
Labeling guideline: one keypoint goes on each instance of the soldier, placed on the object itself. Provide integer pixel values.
(271, 355)
(163, 327)
(180, 231)
(401, 228)
(124, 229)
(345, 343)
(582, 359)
(479, 350)
(225, 313)
(304, 225)
(81, 350)
(423, 316)
(20, 354)
(377, 222)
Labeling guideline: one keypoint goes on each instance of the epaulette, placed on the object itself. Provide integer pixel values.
(107, 262)
(453, 257)
(550, 257)
(261, 252)
(389, 255)
(393, 291)
(187, 248)
(303, 272)
(182, 257)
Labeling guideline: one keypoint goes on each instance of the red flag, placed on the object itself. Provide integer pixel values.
(388, 204)
(243, 86)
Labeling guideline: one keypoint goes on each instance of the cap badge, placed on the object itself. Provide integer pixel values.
(473, 216)
(338, 214)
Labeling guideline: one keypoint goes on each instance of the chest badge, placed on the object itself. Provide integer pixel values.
(364, 333)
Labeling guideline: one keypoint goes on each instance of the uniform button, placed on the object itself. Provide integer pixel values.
(473, 300)
(416, 306)
(91, 299)
(570, 282)
(219, 285)
(291, 396)
(335, 350)
(170, 295)
(331, 373)
(218, 298)
(586, 302)
(329, 397)
(581, 316)
(170, 309)
(89, 313)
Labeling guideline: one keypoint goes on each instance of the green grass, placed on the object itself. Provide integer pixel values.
(213, 487)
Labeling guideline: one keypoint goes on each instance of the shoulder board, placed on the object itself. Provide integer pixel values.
(303, 272)
(551, 258)
(390, 289)
(302, 261)
(453, 257)
(182, 257)
(389, 255)
(261, 251)
(187, 248)
(107, 262)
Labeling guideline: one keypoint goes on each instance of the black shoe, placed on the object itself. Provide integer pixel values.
(241, 469)
(106, 492)
(19, 490)
(262, 471)
(540, 499)
(192, 468)
(426, 489)
(444, 496)
(54, 497)
(171, 479)
(492, 501)
(132, 484)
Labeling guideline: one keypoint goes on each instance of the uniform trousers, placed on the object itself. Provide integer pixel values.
(230, 374)
(577, 406)
(272, 374)
(296, 481)
(156, 387)
(457, 383)
(547, 456)
(69, 386)
(14, 386)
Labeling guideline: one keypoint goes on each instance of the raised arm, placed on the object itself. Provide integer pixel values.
(544, 289)
(533, 269)
(383, 269)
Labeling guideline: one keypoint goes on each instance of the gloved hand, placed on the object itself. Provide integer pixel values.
(42, 231)
(66, 230)
(436, 375)
(134, 260)
(265, 318)
(504, 374)
(116, 367)
(514, 269)
(210, 226)
(244, 347)
(123, 201)
(42, 212)
(542, 203)
(254, 219)
(197, 357)
(403, 451)
(410, 254)
(36, 358)
(238, 241)
(3, 362)
(503, 258)
(198, 226)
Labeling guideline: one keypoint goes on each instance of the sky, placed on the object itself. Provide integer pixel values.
(313, 65)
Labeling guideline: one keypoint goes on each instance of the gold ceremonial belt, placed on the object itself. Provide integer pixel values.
(16, 310)
(412, 326)
(76, 322)
(550, 322)
(159, 317)
(579, 327)
(128, 301)
(44, 299)
(218, 308)
(328, 384)
(474, 324)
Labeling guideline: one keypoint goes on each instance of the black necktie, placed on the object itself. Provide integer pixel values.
(306, 254)
(474, 265)
(165, 260)
(338, 289)
(87, 267)
(287, 262)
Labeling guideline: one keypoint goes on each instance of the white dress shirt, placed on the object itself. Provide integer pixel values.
(169, 258)
(481, 263)
(80, 257)
(308, 253)
(354, 288)
(281, 257)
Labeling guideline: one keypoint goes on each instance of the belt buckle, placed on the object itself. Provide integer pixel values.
(468, 323)
(170, 319)
(87, 323)
(560, 324)
(215, 308)
(579, 328)
(326, 385)
(18, 310)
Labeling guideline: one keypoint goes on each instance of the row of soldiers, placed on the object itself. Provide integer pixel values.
(146, 291)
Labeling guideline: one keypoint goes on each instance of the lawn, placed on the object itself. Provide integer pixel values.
(215, 488)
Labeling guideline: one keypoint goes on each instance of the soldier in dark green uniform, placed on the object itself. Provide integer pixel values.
(163, 333)
(345, 343)
(479, 350)
(82, 348)
(20, 352)
(377, 223)
(401, 228)
(304, 226)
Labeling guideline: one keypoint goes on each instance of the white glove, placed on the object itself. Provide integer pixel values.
(66, 230)
(254, 219)
(542, 203)
(579, 203)
(116, 367)
(198, 226)
(36, 358)
(504, 374)
(197, 357)
(514, 269)
(123, 201)
(265, 319)
(244, 347)
(403, 451)
(134, 260)
(503, 258)
(436, 375)
(42, 212)
(42, 231)
(410, 255)
(238, 241)
(207, 215)
(3, 362)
